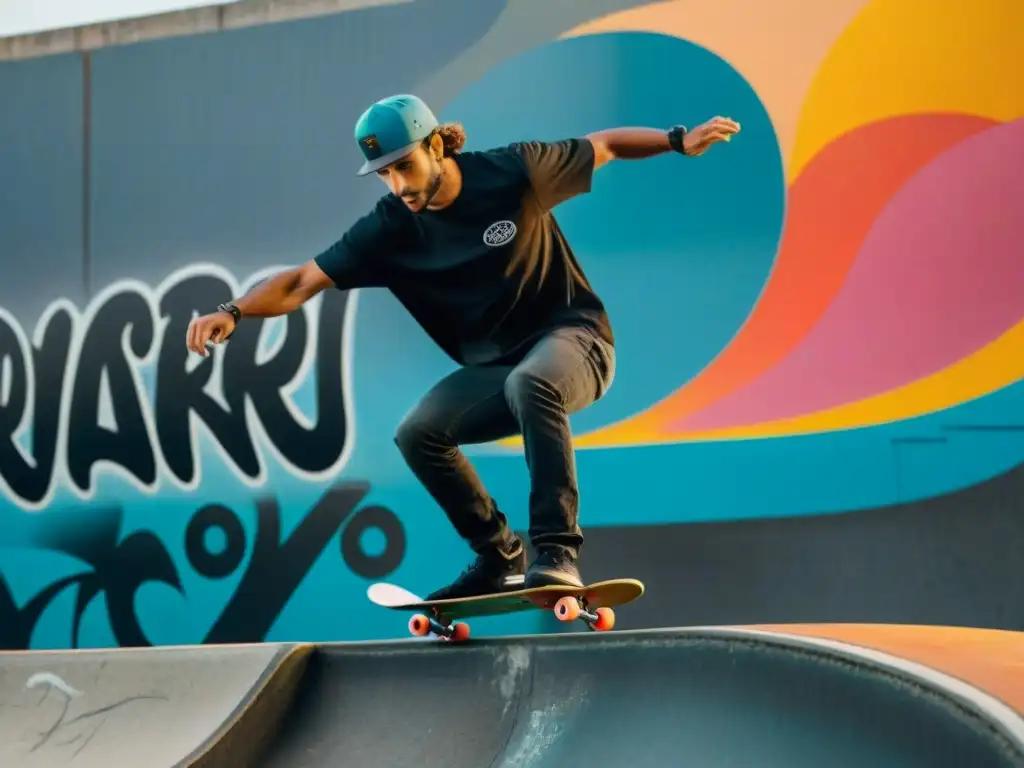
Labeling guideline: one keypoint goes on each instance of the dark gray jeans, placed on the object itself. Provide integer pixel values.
(565, 371)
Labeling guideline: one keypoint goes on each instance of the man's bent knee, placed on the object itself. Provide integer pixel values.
(416, 435)
(525, 390)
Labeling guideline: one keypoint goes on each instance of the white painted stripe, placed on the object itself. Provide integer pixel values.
(48, 678)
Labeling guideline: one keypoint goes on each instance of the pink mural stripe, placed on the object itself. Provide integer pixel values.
(939, 276)
(825, 228)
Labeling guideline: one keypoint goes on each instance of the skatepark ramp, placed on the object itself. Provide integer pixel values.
(145, 708)
(702, 697)
(646, 698)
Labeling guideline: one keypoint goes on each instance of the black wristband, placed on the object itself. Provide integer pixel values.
(231, 309)
(676, 134)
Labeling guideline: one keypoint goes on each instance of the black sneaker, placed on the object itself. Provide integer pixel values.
(491, 572)
(554, 567)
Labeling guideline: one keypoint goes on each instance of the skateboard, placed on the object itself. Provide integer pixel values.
(591, 603)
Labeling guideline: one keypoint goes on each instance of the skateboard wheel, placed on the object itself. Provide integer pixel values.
(605, 619)
(419, 625)
(567, 608)
(460, 633)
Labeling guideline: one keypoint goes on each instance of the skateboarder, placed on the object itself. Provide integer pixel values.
(467, 242)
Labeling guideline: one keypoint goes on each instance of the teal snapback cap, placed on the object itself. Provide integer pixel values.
(390, 129)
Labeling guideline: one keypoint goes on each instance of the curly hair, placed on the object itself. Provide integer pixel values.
(453, 135)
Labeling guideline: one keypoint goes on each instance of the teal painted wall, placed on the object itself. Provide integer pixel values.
(820, 321)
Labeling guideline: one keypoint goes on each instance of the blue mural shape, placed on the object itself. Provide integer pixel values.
(680, 250)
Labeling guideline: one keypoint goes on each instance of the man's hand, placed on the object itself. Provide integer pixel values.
(697, 141)
(215, 328)
(278, 295)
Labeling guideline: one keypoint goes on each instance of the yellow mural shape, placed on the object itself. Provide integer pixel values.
(776, 46)
(901, 57)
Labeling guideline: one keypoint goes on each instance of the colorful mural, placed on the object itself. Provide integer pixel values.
(817, 412)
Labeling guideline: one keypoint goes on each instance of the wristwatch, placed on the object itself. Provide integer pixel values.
(676, 134)
(231, 309)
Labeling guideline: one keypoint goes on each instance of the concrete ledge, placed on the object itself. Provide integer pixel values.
(196, 21)
(183, 706)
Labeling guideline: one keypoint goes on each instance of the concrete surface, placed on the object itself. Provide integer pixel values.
(649, 698)
(706, 697)
(134, 708)
(988, 659)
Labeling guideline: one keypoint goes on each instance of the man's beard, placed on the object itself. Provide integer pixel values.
(433, 186)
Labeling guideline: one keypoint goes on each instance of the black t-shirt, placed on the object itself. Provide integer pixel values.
(492, 272)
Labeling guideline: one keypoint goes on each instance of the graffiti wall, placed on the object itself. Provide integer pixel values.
(818, 411)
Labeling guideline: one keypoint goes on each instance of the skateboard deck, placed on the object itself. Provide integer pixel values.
(592, 603)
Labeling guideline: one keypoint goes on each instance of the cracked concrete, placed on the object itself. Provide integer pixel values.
(126, 707)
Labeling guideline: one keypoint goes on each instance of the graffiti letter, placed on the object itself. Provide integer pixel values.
(30, 479)
(103, 353)
(180, 391)
(313, 449)
(276, 569)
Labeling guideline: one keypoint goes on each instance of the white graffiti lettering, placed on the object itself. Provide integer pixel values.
(112, 390)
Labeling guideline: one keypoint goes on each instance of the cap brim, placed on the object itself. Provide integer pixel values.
(375, 165)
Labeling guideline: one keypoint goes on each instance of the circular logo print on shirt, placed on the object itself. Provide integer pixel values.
(500, 232)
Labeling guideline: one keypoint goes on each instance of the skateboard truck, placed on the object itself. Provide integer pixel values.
(570, 608)
(421, 625)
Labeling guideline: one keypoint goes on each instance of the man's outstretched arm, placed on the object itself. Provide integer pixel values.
(640, 143)
(278, 295)
(284, 292)
(349, 263)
